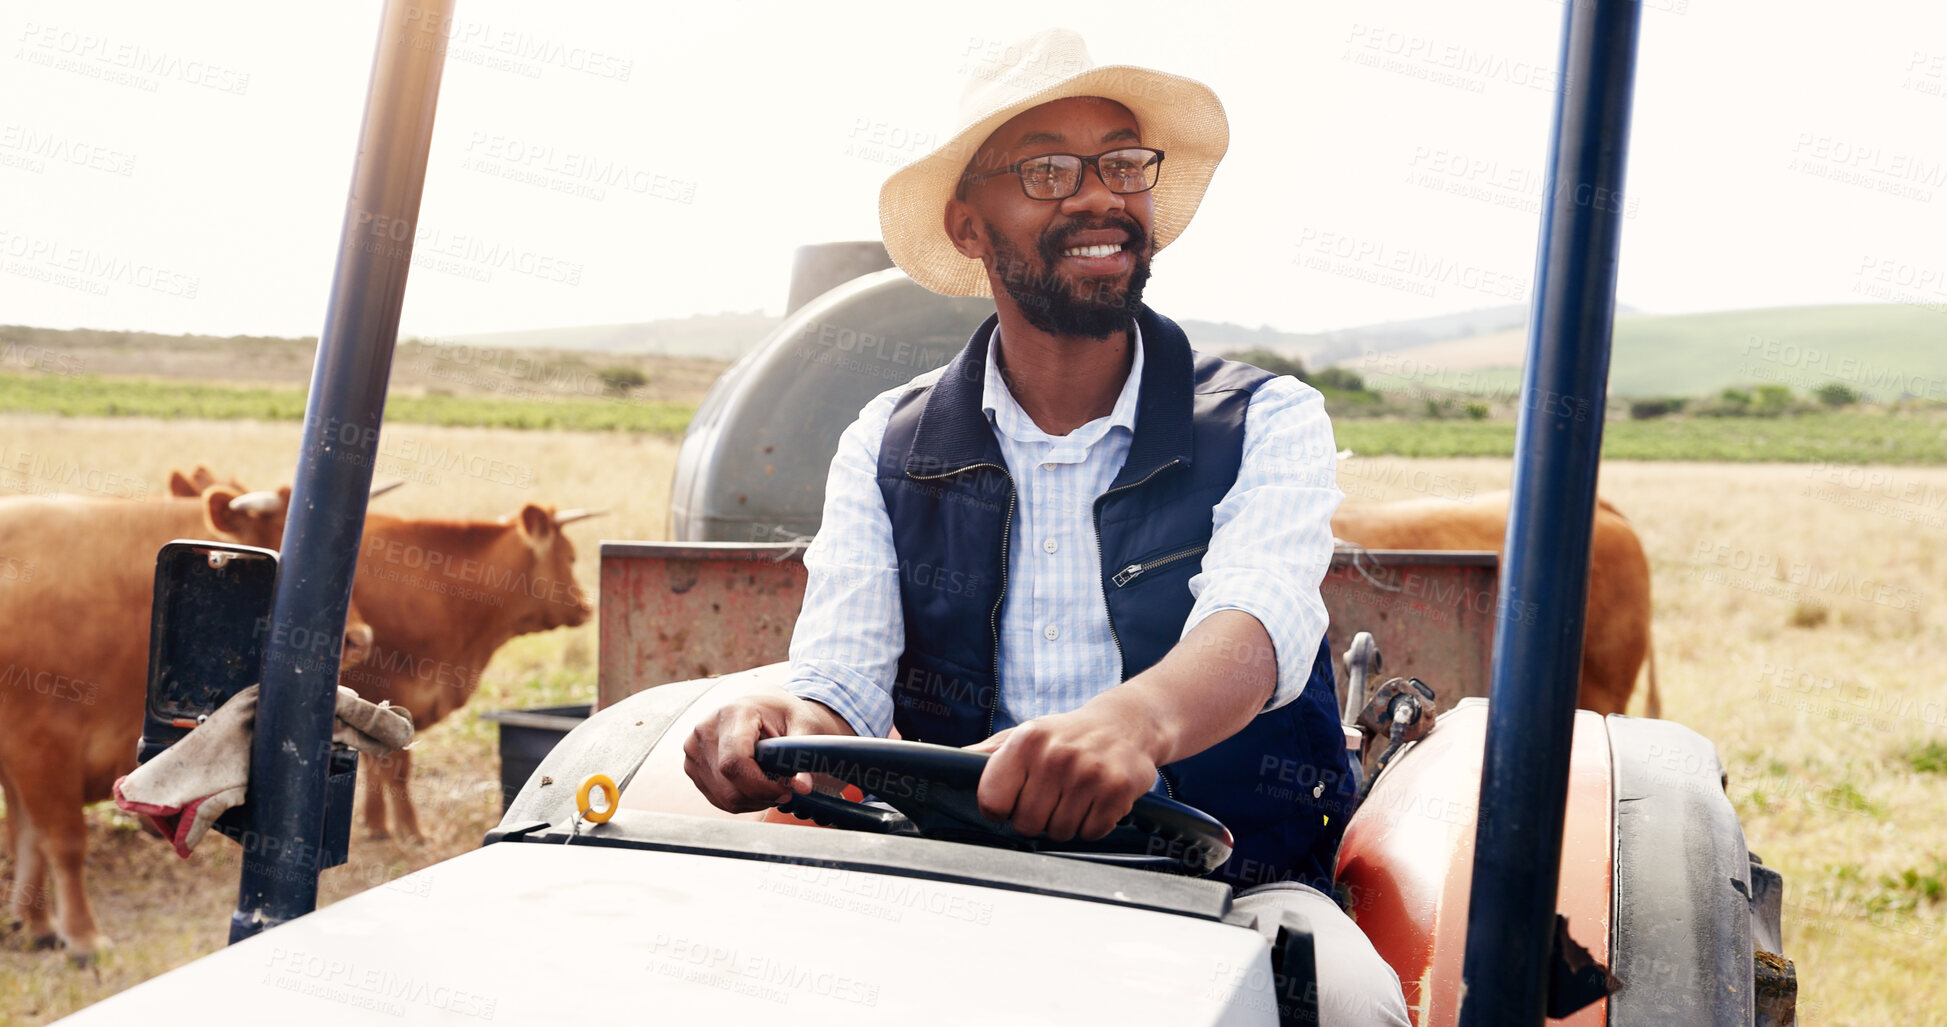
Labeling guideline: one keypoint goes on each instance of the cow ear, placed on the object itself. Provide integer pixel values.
(216, 509)
(537, 523)
(182, 486)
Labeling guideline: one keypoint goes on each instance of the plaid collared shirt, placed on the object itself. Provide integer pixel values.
(1271, 545)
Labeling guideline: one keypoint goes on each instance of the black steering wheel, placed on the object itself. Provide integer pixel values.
(932, 788)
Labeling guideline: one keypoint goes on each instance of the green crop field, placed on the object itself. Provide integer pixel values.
(1849, 436)
(94, 396)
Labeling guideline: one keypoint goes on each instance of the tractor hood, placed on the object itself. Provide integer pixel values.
(557, 933)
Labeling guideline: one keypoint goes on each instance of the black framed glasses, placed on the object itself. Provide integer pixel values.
(1057, 176)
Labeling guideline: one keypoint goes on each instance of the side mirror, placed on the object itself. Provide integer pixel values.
(208, 629)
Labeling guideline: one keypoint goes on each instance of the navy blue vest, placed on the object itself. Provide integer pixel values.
(1282, 784)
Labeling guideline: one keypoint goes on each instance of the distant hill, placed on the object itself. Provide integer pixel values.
(1390, 336)
(728, 336)
(1320, 349)
(1882, 350)
(1225, 337)
(722, 337)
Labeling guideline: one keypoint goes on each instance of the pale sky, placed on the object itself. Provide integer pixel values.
(192, 161)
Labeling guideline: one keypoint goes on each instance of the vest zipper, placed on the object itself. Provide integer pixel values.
(1168, 789)
(1135, 570)
(994, 616)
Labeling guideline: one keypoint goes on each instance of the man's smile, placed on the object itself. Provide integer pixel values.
(1097, 261)
(1095, 251)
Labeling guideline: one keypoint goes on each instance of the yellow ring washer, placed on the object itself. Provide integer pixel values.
(612, 794)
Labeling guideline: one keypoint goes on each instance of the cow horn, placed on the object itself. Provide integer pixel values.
(380, 490)
(571, 516)
(258, 503)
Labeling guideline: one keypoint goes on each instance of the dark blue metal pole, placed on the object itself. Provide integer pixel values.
(1544, 579)
(334, 473)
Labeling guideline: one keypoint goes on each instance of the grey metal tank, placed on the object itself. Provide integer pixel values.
(753, 462)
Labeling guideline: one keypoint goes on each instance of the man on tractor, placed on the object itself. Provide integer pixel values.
(1080, 546)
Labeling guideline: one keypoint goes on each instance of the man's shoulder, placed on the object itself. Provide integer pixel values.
(886, 402)
(876, 416)
(1285, 390)
(923, 380)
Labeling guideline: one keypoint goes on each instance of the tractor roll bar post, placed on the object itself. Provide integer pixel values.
(289, 754)
(1558, 443)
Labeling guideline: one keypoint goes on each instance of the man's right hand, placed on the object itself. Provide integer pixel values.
(720, 754)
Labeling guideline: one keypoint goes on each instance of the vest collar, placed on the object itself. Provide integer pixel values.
(953, 434)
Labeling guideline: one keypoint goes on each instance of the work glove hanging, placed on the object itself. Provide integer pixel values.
(193, 782)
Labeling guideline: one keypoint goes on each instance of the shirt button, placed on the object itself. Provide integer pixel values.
(1048, 545)
(1048, 467)
(1051, 632)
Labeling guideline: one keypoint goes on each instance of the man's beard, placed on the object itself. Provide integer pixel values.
(1099, 311)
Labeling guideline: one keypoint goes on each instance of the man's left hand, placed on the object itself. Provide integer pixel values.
(1070, 774)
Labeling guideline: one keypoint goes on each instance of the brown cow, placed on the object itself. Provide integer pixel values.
(1616, 629)
(73, 677)
(193, 483)
(441, 598)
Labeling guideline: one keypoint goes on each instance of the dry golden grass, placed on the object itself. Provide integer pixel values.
(449, 472)
(1815, 723)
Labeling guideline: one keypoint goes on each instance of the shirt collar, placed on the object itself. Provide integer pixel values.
(1006, 415)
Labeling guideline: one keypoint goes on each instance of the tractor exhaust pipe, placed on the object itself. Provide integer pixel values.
(1538, 647)
(334, 473)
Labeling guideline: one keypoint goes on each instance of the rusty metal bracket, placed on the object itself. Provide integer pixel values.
(1402, 711)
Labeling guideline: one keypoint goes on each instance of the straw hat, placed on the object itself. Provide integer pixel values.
(1177, 115)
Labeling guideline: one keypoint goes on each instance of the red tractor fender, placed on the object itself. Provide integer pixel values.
(1407, 860)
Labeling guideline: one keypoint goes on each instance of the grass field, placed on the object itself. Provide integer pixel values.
(1911, 437)
(1898, 436)
(1798, 624)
